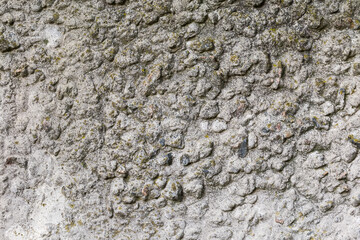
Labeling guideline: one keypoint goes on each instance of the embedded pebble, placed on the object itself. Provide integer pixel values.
(209, 110)
(243, 150)
(218, 126)
(173, 190)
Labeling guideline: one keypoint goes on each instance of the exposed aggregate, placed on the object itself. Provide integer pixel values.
(179, 119)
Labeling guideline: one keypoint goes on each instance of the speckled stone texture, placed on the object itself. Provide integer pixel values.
(179, 119)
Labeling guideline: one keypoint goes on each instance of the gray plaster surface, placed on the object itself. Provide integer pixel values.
(179, 119)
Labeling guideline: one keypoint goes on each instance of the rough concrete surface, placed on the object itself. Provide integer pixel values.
(179, 119)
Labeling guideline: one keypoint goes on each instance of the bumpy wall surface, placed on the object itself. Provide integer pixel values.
(179, 119)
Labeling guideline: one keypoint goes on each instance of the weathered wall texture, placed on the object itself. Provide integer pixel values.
(179, 119)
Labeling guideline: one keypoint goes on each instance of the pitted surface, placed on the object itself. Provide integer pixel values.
(179, 119)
